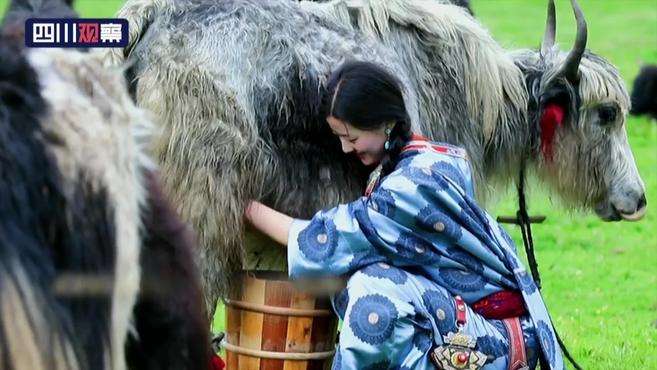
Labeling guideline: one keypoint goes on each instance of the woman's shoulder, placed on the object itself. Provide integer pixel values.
(420, 152)
(419, 143)
(424, 161)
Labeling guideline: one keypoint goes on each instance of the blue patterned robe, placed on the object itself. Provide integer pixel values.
(417, 241)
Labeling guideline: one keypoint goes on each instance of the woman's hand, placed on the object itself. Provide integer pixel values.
(270, 222)
(250, 209)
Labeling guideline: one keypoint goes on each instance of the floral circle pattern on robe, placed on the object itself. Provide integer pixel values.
(364, 259)
(442, 308)
(458, 279)
(434, 219)
(383, 202)
(491, 347)
(440, 169)
(461, 280)
(526, 282)
(383, 270)
(372, 318)
(415, 249)
(318, 241)
(545, 337)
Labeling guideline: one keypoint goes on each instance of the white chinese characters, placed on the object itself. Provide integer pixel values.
(44, 33)
(110, 32)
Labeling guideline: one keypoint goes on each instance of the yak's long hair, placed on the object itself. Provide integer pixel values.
(79, 238)
(170, 326)
(30, 193)
(71, 196)
(74, 217)
(236, 88)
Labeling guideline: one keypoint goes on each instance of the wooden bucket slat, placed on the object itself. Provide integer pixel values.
(251, 333)
(322, 338)
(273, 326)
(274, 330)
(233, 328)
(299, 330)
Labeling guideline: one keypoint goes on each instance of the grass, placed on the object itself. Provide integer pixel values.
(600, 279)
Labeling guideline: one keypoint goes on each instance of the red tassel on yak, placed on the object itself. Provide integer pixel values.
(551, 119)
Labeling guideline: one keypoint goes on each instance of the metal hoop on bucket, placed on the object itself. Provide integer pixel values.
(274, 310)
(290, 356)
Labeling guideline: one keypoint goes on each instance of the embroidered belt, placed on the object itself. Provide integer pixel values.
(517, 352)
(501, 305)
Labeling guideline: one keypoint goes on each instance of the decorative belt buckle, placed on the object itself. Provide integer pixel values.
(458, 353)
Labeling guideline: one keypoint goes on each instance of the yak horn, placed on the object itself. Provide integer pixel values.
(571, 66)
(550, 29)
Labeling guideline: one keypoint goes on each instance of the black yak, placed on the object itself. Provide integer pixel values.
(644, 92)
(96, 269)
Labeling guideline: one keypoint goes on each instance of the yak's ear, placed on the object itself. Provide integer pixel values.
(560, 92)
(557, 104)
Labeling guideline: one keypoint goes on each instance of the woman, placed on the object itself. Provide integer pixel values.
(432, 277)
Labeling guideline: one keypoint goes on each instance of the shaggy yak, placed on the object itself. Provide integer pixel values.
(89, 247)
(237, 86)
(644, 92)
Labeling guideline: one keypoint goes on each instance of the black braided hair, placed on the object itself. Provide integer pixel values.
(369, 97)
(399, 137)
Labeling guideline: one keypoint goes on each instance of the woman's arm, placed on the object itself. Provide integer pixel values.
(270, 222)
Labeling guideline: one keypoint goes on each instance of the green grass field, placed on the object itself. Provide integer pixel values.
(600, 279)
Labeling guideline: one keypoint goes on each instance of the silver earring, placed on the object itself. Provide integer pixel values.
(386, 145)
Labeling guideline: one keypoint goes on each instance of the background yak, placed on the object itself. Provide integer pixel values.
(80, 204)
(644, 92)
(237, 89)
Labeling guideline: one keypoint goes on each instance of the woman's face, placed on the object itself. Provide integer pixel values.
(367, 145)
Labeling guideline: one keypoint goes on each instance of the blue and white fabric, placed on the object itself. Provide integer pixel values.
(417, 241)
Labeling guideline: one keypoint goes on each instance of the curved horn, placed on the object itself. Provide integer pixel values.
(550, 29)
(571, 65)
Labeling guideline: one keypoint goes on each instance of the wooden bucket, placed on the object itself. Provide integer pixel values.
(271, 325)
